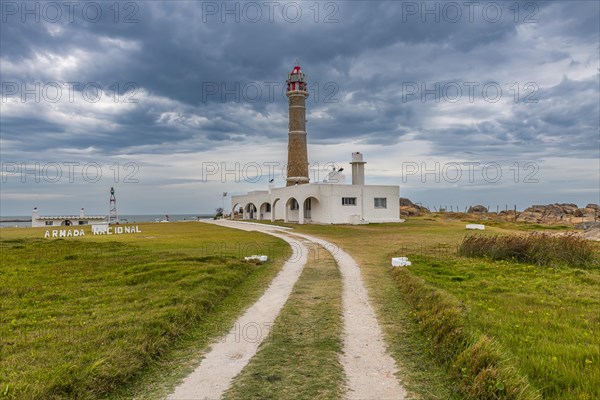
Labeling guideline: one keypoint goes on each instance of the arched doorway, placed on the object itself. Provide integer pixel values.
(307, 209)
(235, 210)
(251, 211)
(292, 210)
(273, 208)
(265, 211)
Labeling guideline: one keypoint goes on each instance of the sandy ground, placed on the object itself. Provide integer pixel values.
(370, 370)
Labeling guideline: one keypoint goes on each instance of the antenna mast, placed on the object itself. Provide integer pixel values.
(113, 218)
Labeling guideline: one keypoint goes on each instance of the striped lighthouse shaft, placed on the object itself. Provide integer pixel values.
(297, 168)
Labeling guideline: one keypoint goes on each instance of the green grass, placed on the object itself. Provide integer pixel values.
(545, 320)
(480, 368)
(300, 359)
(541, 323)
(84, 317)
(126, 316)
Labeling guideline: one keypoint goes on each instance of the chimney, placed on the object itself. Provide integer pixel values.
(81, 215)
(358, 169)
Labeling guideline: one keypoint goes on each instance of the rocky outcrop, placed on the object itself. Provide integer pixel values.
(592, 234)
(560, 213)
(477, 209)
(588, 225)
(410, 209)
(591, 229)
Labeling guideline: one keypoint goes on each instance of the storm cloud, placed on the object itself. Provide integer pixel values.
(171, 87)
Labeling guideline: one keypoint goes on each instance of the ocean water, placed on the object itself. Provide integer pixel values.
(122, 218)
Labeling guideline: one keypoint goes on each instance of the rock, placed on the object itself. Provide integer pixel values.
(404, 202)
(408, 208)
(587, 225)
(592, 234)
(477, 209)
(559, 213)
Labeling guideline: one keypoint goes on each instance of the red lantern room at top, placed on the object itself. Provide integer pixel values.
(296, 80)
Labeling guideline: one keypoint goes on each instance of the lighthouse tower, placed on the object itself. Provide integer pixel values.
(297, 168)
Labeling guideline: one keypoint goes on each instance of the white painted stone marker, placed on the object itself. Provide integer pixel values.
(475, 226)
(400, 262)
(255, 257)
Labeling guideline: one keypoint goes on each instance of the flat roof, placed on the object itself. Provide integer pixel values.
(73, 217)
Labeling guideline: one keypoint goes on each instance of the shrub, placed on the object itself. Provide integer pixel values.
(535, 248)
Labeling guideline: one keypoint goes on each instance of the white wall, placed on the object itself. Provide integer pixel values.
(327, 202)
(389, 214)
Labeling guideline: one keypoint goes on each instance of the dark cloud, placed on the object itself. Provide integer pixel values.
(196, 77)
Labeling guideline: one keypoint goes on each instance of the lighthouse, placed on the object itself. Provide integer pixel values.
(297, 167)
(330, 201)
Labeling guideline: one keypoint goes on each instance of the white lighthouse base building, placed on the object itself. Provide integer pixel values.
(323, 203)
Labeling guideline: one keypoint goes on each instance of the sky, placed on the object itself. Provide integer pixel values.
(175, 103)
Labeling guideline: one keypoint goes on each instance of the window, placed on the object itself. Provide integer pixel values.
(83, 222)
(348, 201)
(380, 202)
(294, 205)
(268, 208)
(48, 223)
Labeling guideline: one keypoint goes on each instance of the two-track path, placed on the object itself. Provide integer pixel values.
(369, 368)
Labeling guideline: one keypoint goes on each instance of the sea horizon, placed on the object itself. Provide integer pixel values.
(125, 218)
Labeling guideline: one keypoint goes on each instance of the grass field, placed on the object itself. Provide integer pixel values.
(544, 321)
(126, 316)
(84, 317)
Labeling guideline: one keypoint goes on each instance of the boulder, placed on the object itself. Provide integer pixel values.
(588, 225)
(592, 234)
(477, 209)
(408, 208)
(559, 213)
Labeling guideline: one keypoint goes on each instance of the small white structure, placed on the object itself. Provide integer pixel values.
(330, 202)
(38, 221)
(400, 262)
(475, 226)
(256, 257)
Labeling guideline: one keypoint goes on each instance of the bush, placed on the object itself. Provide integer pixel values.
(535, 248)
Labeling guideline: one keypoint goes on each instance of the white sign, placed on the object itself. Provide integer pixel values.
(114, 230)
(96, 230)
(56, 233)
